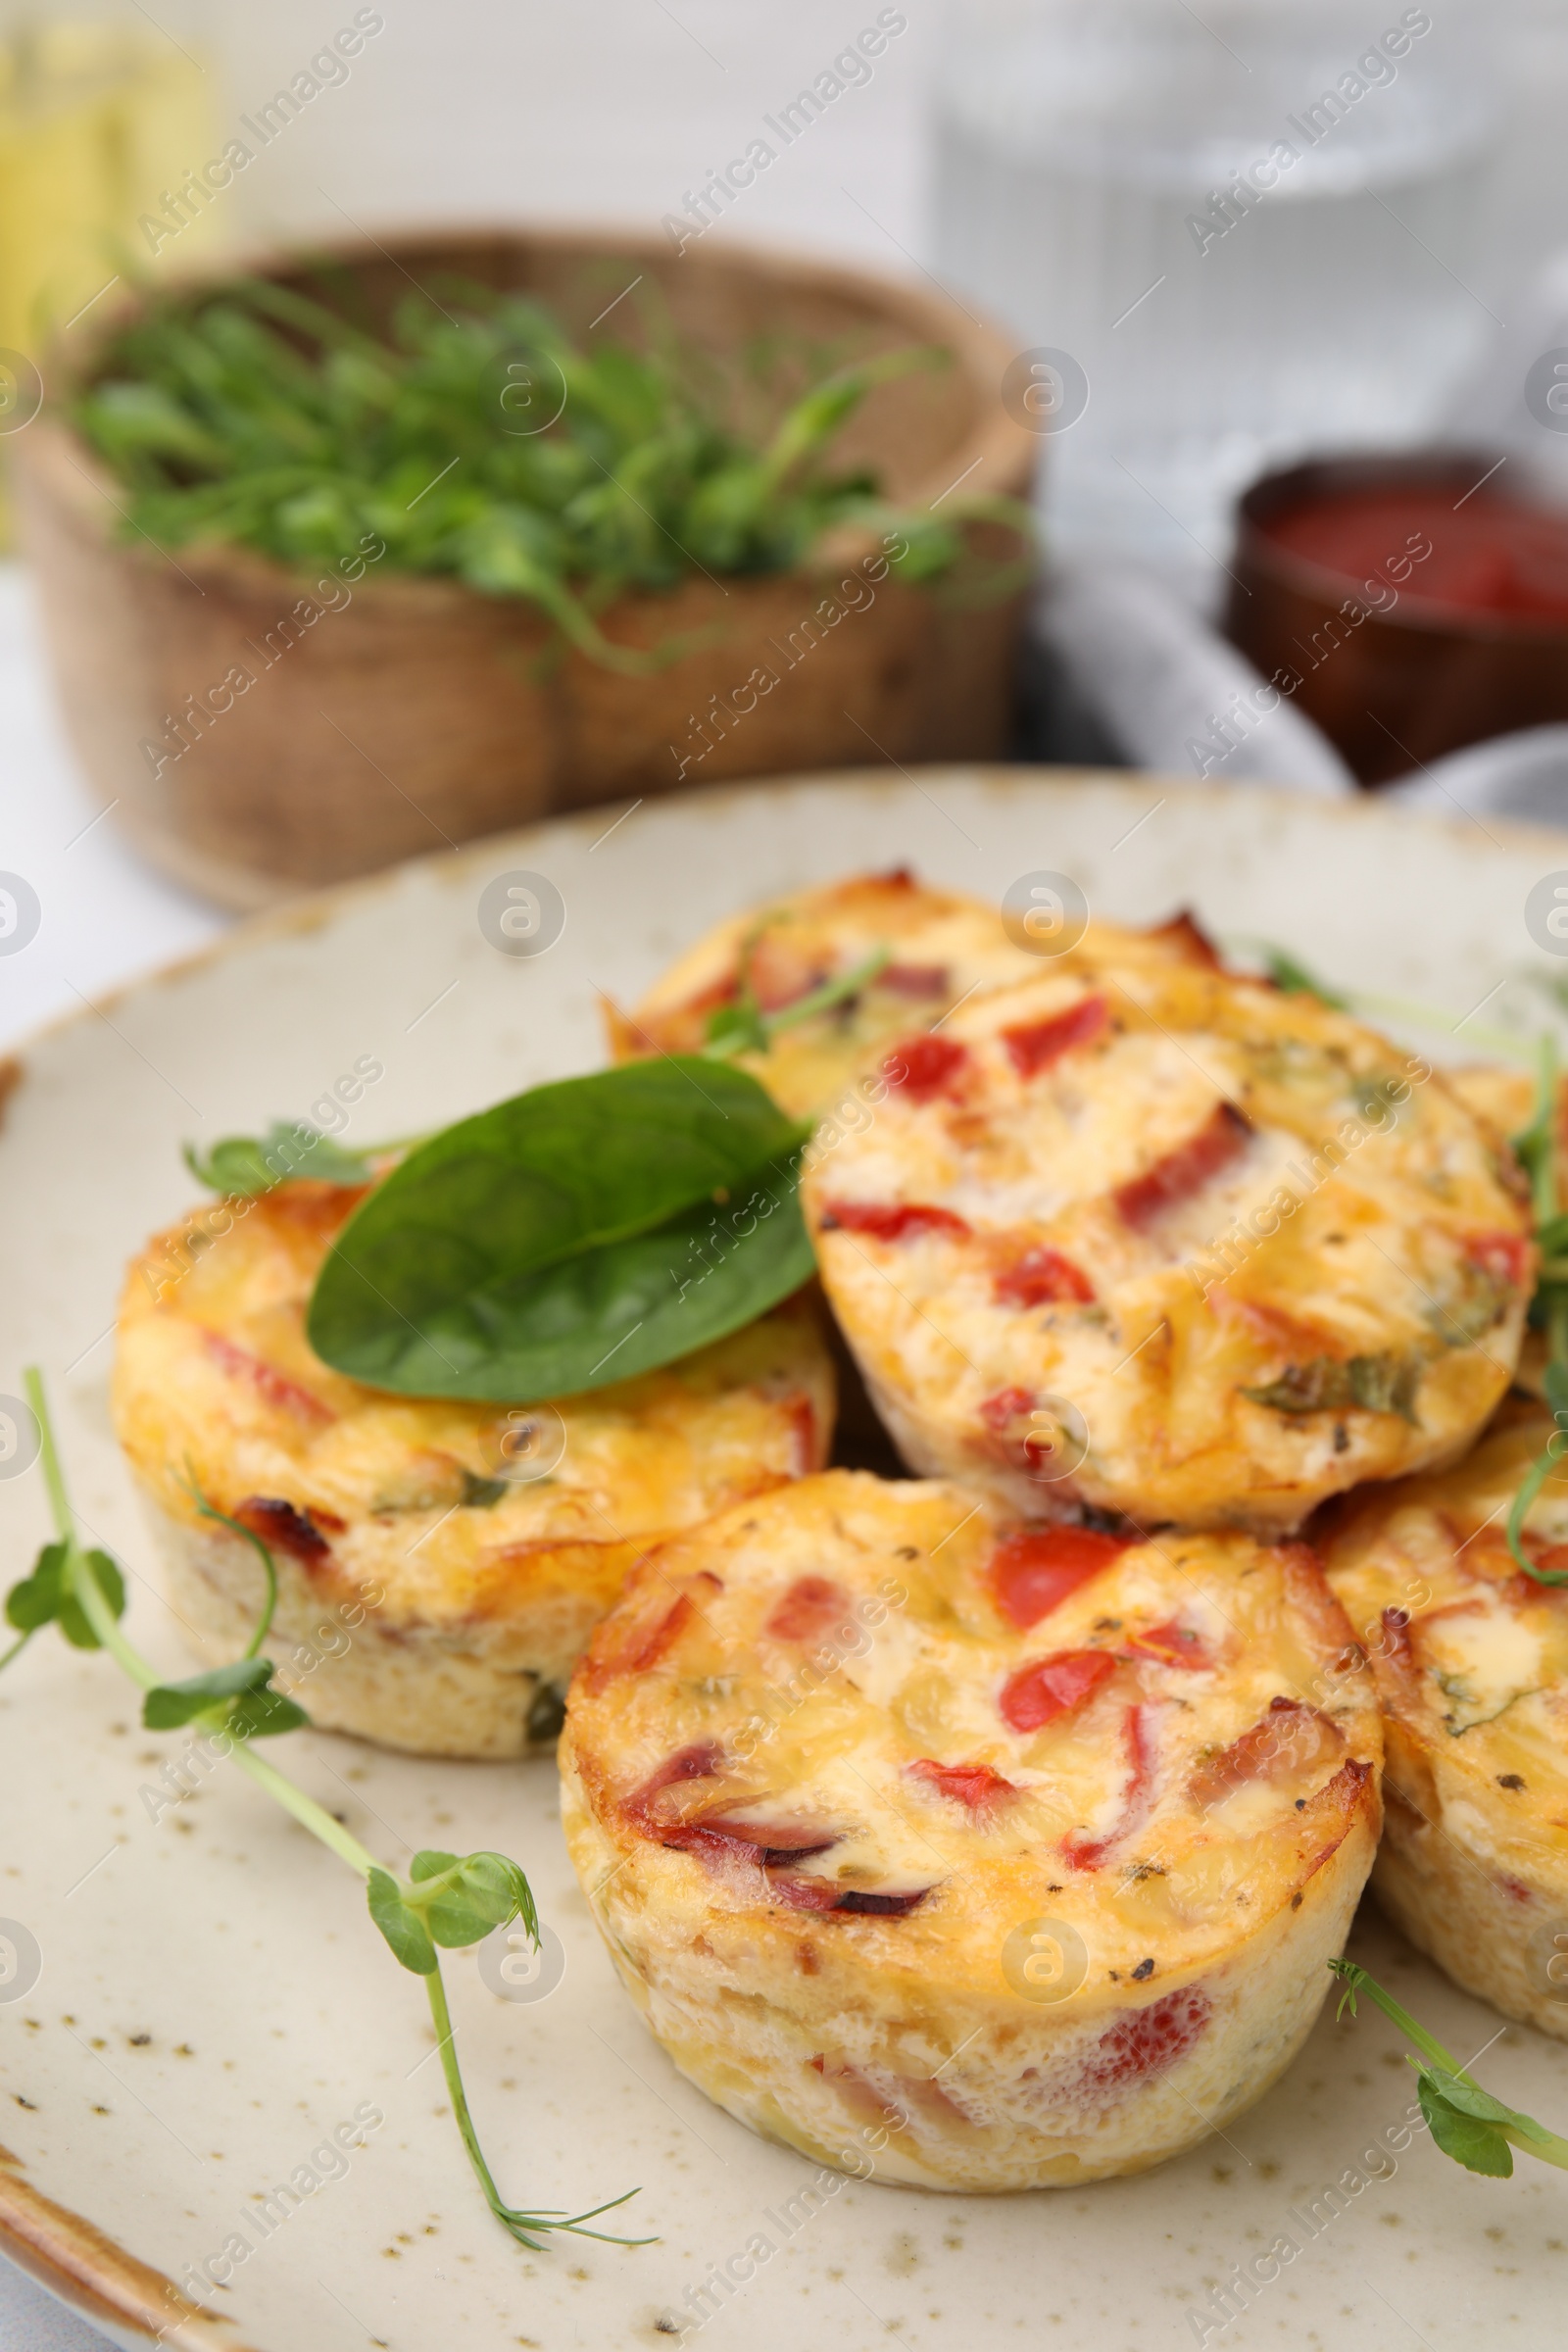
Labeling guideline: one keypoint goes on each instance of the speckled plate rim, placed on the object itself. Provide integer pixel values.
(127, 2299)
(314, 908)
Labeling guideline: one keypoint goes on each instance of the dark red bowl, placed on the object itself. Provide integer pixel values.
(1393, 677)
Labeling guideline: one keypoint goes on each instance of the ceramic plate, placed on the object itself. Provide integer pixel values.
(211, 2000)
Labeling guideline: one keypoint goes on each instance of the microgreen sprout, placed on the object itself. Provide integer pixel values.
(264, 1552)
(742, 1026)
(1466, 2122)
(1293, 977)
(245, 1166)
(249, 413)
(446, 1900)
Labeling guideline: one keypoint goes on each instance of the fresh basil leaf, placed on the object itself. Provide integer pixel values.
(570, 1237)
(1470, 2139)
(404, 1930)
(612, 1314)
(243, 1167)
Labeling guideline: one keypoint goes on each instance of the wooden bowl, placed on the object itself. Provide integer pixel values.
(259, 734)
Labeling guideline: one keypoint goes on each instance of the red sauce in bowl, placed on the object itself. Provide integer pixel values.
(1484, 552)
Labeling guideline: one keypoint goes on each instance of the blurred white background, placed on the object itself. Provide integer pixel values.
(610, 111)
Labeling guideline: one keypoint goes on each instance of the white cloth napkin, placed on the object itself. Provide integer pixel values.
(1177, 696)
(1169, 690)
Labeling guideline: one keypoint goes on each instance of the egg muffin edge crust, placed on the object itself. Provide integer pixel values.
(1168, 1242)
(1011, 1856)
(942, 946)
(1471, 1659)
(429, 1597)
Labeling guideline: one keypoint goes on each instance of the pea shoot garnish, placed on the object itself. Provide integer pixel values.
(449, 1901)
(476, 438)
(1465, 2122)
(1293, 978)
(742, 1026)
(244, 1167)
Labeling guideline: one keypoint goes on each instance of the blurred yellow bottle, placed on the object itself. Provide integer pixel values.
(96, 118)
(100, 113)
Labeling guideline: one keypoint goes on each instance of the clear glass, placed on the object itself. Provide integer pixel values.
(1257, 229)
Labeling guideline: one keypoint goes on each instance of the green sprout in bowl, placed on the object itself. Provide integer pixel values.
(252, 415)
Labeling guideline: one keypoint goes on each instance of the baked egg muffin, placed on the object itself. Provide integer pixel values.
(1171, 1244)
(967, 1855)
(941, 946)
(440, 1565)
(1471, 1660)
(1506, 1098)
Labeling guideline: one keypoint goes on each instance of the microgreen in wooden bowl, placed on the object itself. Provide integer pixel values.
(396, 542)
(252, 415)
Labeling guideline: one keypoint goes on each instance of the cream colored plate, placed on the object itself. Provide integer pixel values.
(212, 1999)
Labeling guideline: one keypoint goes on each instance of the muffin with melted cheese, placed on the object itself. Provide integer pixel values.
(1501, 1095)
(1171, 1244)
(939, 946)
(1471, 1660)
(1506, 1099)
(965, 1856)
(434, 1593)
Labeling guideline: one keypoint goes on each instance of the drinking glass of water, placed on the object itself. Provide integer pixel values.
(1223, 235)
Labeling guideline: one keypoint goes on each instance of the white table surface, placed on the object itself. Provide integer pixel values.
(106, 914)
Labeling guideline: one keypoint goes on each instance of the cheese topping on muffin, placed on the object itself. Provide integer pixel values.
(1471, 1657)
(836, 1759)
(1173, 1243)
(478, 1544)
(940, 947)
